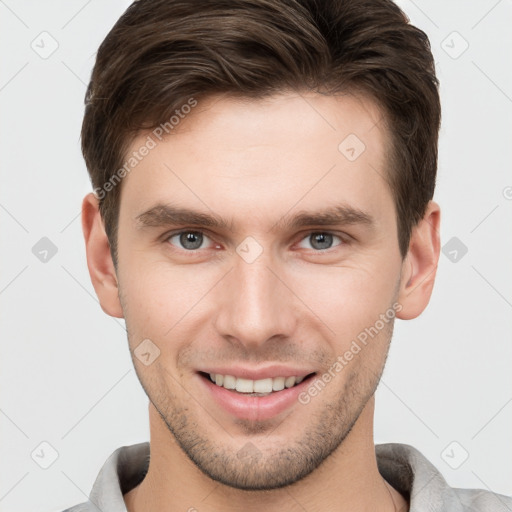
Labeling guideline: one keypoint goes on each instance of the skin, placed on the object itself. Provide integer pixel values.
(254, 163)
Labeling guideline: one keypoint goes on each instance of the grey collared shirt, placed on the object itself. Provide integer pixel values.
(401, 465)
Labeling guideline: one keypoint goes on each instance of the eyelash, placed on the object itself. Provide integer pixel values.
(343, 239)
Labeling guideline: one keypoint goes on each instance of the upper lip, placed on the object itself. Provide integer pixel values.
(259, 373)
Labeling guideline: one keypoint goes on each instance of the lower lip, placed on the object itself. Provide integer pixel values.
(254, 408)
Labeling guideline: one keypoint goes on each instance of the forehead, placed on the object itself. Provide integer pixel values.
(284, 118)
(242, 155)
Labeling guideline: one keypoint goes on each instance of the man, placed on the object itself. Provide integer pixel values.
(263, 177)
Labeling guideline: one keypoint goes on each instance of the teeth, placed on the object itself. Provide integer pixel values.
(229, 382)
(289, 382)
(243, 385)
(278, 383)
(262, 386)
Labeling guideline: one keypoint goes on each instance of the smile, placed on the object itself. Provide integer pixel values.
(254, 400)
(261, 387)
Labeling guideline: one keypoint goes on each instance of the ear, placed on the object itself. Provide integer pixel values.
(99, 260)
(420, 264)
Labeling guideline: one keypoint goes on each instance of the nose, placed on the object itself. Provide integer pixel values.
(256, 304)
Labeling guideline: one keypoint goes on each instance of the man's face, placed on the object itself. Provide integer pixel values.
(261, 293)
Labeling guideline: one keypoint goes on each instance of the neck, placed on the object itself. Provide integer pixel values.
(348, 480)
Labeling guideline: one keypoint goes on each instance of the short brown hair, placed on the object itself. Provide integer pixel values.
(161, 53)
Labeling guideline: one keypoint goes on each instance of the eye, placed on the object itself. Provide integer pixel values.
(321, 240)
(189, 240)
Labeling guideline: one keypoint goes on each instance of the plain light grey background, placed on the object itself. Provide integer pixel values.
(67, 379)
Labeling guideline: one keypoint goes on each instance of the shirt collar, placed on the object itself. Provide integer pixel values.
(401, 465)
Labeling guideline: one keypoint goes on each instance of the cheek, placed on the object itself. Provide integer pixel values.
(346, 299)
(159, 297)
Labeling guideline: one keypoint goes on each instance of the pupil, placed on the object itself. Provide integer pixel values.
(191, 240)
(324, 239)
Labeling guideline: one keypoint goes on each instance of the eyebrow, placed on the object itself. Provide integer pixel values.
(166, 214)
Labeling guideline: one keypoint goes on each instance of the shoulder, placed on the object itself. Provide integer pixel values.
(124, 469)
(476, 500)
(87, 506)
(412, 474)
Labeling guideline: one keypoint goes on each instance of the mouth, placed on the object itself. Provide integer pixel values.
(256, 388)
(255, 394)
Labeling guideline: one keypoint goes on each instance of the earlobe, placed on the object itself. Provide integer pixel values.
(420, 264)
(99, 260)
